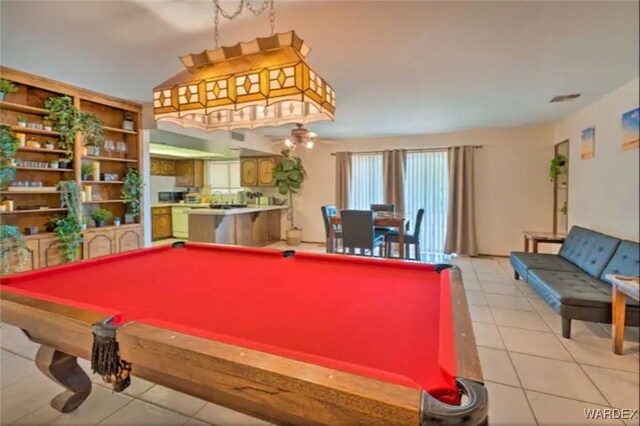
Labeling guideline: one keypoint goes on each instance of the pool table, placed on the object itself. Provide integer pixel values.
(288, 337)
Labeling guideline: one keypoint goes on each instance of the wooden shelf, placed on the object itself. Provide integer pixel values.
(42, 150)
(30, 131)
(118, 160)
(34, 211)
(22, 108)
(104, 201)
(43, 169)
(116, 130)
(28, 192)
(111, 182)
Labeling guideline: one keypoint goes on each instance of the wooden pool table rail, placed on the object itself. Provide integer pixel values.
(274, 388)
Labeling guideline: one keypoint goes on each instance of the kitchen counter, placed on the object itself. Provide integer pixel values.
(199, 205)
(240, 210)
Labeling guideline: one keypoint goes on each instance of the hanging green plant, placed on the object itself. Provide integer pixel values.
(289, 175)
(8, 149)
(132, 190)
(557, 167)
(68, 227)
(91, 129)
(65, 118)
(12, 250)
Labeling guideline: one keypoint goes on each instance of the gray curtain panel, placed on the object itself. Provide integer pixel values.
(461, 225)
(343, 180)
(394, 169)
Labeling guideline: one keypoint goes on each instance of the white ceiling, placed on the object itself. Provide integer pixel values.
(398, 67)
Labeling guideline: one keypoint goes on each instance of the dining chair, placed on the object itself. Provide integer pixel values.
(383, 208)
(410, 238)
(328, 212)
(358, 233)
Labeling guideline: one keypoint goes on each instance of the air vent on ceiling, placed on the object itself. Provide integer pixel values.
(565, 98)
(236, 136)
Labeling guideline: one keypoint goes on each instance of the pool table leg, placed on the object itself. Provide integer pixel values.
(63, 369)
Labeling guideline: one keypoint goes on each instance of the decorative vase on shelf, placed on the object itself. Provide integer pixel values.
(116, 221)
(100, 223)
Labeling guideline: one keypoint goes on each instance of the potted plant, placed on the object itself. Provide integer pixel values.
(54, 164)
(557, 167)
(117, 221)
(8, 149)
(6, 87)
(289, 175)
(49, 145)
(67, 227)
(91, 129)
(100, 217)
(84, 223)
(48, 125)
(22, 122)
(86, 170)
(132, 191)
(64, 117)
(12, 250)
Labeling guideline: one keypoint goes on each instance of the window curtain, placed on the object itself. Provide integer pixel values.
(394, 171)
(461, 227)
(366, 181)
(343, 180)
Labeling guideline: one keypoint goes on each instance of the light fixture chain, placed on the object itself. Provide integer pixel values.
(243, 3)
(272, 16)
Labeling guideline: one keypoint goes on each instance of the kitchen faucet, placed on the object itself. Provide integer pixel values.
(213, 194)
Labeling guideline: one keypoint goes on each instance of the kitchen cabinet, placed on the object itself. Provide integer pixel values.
(161, 223)
(249, 171)
(265, 171)
(30, 254)
(260, 228)
(224, 174)
(162, 167)
(234, 175)
(129, 238)
(50, 252)
(98, 243)
(189, 173)
(274, 227)
(180, 221)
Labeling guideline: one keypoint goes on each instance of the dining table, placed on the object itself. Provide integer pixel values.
(380, 219)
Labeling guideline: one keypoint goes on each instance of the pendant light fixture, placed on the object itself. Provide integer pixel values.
(263, 82)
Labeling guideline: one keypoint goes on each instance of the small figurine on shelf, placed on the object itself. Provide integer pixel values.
(22, 122)
(127, 123)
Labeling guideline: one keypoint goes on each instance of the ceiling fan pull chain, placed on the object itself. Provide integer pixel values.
(272, 16)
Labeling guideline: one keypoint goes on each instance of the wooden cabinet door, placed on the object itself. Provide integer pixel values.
(259, 229)
(234, 175)
(198, 173)
(167, 167)
(98, 243)
(29, 256)
(50, 252)
(274, 225)
(265, 171)
(128, 239)
(249, 171)
(219, 175)
(161, 226)
(184, 173)
(155, 167)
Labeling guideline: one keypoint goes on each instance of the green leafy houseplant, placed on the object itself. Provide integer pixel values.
(557, 167)
(132, 190)
(6, 87)
(91, 129)
(100, 216)
(68, 227)
(8, 149)
(86, 170)
(11, 249)
(64, 116)
(289, 174)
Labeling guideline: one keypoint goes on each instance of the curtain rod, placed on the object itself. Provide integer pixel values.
(409, 150)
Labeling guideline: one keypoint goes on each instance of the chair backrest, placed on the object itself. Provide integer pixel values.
(357, 229)
(327, 212)
(418, 225)
(383, 208)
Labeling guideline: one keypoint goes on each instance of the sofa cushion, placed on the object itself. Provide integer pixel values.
(574, 288)
(589, 250)
(524, 261)
(625, 261)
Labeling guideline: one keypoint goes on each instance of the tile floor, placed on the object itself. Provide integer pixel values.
(534, 376)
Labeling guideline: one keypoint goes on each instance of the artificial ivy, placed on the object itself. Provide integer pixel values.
(11, 248)
(8, 149)
(132, 190)
(68, 227)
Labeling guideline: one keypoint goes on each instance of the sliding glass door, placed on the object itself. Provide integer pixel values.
(366, 181)
(427, 187)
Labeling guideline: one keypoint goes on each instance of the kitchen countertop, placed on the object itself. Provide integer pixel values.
(241, 210)
(179, 205)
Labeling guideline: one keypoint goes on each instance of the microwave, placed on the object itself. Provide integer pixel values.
(192, 198)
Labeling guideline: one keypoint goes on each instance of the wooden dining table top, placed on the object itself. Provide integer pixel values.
(379, 218)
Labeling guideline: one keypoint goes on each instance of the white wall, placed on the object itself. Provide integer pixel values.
(513, 192)
(603, 190)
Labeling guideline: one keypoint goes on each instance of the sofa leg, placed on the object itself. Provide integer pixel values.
(566, 328)
(516, 275)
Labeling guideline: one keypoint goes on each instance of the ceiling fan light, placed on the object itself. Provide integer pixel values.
(309, 144)
(288, 142)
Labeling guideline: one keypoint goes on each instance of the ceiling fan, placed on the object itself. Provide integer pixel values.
(300, 137)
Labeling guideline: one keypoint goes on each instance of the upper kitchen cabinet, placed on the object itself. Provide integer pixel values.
(189, 173)
(249, 171)
(224, 174)
(258, 171)
(162, 167)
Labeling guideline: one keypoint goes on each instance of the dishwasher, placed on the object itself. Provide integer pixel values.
(180, 221)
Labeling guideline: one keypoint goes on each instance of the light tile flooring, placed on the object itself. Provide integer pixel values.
(534, 376)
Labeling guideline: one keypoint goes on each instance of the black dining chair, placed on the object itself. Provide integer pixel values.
(410, 238)
(358, 233)
(328, 212)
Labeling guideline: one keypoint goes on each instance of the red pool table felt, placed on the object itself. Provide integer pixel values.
(382, 319)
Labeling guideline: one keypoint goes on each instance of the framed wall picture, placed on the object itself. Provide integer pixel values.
(630, 132)
(588, 148)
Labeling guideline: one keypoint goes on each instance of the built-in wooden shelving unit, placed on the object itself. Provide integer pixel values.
(29, 102)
